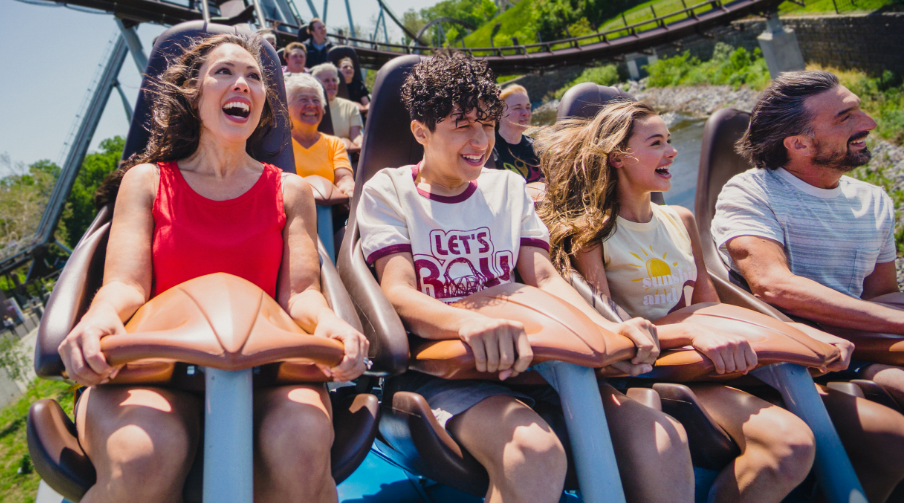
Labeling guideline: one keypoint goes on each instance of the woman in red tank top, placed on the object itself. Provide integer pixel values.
(194, 203)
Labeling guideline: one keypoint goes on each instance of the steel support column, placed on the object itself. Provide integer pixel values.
(131, 37)
(80, 143)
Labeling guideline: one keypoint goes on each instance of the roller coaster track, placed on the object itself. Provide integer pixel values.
(505, 60)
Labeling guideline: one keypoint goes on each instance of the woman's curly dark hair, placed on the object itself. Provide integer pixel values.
(450, 78)
(175, 125)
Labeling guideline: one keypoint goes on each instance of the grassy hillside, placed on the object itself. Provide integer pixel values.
(519, 20)
(515, 22)
(18, 480)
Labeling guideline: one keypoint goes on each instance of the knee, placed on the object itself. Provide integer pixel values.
(671, 441)
(543, 464)
(790, 445)
(297, 438)
(151, 462)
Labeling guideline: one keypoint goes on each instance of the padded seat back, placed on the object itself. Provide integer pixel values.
(718, 163)
(388, 142)
(585, 100)
(338, 53)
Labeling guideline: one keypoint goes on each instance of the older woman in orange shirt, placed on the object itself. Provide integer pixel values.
(316, 153)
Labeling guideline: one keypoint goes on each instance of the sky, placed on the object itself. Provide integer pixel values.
(49, 57)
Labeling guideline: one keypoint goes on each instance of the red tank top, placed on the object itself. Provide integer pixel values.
(195, 236)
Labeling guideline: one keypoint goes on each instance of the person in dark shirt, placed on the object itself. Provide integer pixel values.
(357, 91)
(318, 45)
(514, 151)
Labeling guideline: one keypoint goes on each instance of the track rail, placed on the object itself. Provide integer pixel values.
(504, 60)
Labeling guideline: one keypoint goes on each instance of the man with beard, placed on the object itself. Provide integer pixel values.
(813, 242)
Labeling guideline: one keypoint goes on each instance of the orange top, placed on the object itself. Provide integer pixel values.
(323, 158)
(195, 236)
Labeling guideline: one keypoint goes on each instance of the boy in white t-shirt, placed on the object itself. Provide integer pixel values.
(446, 228)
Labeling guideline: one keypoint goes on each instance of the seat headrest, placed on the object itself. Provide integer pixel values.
(388, 142)
(585, 100)
(338, 53)
(718, 163)
(169, 44)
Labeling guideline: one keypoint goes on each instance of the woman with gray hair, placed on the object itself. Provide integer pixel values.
(315, 153)
(347, 123)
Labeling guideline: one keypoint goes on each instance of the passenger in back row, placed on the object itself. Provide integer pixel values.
(514, 150)
(624, 246)
(315, 153)
(454, 105)
(347, 123)
(807, 239)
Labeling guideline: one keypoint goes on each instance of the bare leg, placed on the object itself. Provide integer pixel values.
(873, 436)
(142, 442)
(651, 448)
(889, 377)
(777, 448)
(294, 437)
(524, 458)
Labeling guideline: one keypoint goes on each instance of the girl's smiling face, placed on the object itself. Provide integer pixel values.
(644, 167)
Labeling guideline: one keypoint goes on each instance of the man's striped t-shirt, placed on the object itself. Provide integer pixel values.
(832, 236)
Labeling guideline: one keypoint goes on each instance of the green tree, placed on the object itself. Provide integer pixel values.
(80, 210)
(23, 197)
(473, 12)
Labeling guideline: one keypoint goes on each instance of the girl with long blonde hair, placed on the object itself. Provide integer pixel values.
(600, 176)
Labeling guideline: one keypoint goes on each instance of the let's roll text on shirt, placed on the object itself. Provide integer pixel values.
(460, 244)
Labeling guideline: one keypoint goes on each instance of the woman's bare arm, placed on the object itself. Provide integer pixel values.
(704, 290)
(127, 278)
(299, 280)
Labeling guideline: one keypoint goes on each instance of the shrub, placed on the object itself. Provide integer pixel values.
(728, 66)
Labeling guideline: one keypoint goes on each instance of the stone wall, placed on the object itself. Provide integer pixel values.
(869, 42)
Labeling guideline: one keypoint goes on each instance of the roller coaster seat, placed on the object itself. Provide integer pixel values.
(52, 439)
(338, 53)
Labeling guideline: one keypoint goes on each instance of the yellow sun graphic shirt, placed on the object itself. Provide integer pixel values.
(650, 266)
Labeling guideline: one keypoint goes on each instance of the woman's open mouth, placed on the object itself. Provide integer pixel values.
(663, 171)
(237, 110)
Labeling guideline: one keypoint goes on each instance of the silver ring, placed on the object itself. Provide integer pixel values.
(368, 363)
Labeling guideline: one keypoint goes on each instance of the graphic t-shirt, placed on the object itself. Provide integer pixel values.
(460, 244)
(519, 158)
(650, 266)
(832, 236)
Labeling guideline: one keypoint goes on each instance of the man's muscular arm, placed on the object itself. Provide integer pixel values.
(764, 265)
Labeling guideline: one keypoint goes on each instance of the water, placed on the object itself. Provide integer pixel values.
(687, 135)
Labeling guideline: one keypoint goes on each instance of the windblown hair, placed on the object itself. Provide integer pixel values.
(780, 113)
(175, 124)
(450, 78)
(581, 200)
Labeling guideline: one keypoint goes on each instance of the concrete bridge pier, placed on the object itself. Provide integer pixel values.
(780, 48)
